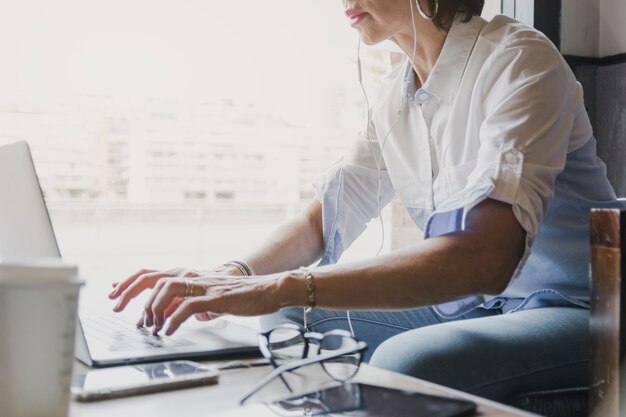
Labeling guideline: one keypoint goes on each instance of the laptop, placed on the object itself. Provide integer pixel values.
(103, 338)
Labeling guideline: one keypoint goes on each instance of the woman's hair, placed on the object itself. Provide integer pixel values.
(450, 10)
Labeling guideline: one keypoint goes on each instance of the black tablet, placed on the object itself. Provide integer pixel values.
(361, 400)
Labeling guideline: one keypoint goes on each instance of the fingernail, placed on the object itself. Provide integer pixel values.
(117, 306)
(156, 330)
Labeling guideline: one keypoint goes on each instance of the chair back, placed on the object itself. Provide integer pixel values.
(607, 396)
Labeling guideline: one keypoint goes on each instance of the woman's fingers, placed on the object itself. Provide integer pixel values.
(119, 287)
(171, 290)
(147, 310)
(186, 309)
(169, 311)
(172, 308)
(141, 283)
(168, 297)
(174, 300)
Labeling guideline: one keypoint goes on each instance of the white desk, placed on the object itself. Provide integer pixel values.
(234, 383)
(208, 400)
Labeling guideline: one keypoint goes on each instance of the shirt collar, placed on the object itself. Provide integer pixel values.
(445, 77)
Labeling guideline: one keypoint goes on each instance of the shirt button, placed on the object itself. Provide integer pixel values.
(424, 96)
(510, 158)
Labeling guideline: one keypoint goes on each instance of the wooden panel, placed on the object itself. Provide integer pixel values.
(607, 313)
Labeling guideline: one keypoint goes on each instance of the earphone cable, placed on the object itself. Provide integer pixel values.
(378, 160)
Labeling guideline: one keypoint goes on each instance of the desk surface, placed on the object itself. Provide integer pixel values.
(208, 400)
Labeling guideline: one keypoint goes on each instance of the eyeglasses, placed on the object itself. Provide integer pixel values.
(290, 347)
(290, 342)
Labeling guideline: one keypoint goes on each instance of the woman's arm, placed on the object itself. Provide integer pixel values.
(480, 259)
(296, 243)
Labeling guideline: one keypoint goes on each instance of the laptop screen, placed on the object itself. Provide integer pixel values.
(25, 228)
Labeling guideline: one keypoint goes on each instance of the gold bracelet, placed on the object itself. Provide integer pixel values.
(310, 290)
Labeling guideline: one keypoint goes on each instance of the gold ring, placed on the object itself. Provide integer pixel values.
(188, 288)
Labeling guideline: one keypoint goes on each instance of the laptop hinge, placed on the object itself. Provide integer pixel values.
(81, 350)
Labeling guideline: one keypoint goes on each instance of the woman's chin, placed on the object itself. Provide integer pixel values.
(369, 40)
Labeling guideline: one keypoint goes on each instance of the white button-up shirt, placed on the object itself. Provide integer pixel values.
(501, 116)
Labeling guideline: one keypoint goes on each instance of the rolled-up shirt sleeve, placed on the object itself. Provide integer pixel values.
(524, 134)
(352, 192)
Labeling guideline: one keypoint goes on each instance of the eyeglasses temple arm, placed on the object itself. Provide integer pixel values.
(292, 366)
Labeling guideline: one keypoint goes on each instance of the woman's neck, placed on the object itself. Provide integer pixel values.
(430, 42)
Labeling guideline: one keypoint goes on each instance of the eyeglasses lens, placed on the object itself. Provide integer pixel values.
(286, 344)
(343, 367)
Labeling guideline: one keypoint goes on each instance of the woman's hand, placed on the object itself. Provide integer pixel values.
(177, 299)
(148, 278)
(134, 285)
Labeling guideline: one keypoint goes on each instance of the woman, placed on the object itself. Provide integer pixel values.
(484, 135)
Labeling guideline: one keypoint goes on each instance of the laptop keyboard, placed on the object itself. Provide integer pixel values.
(122, 334)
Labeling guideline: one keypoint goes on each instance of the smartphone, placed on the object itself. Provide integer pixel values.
(128, 380)
(363, 400)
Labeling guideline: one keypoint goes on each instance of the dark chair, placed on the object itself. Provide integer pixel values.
(567, 402)
(608, 313)
(608, 331)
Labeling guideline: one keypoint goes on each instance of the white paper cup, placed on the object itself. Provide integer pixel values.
(38, 302)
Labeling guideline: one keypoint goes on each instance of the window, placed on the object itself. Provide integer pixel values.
(522, 10)
(179, 133)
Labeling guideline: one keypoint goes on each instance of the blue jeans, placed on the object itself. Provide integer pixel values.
(484, 352)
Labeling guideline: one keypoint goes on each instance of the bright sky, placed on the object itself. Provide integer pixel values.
(185, 48)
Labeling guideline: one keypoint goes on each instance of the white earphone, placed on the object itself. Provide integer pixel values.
(424, 15)
(369, 120)
(369, 116)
